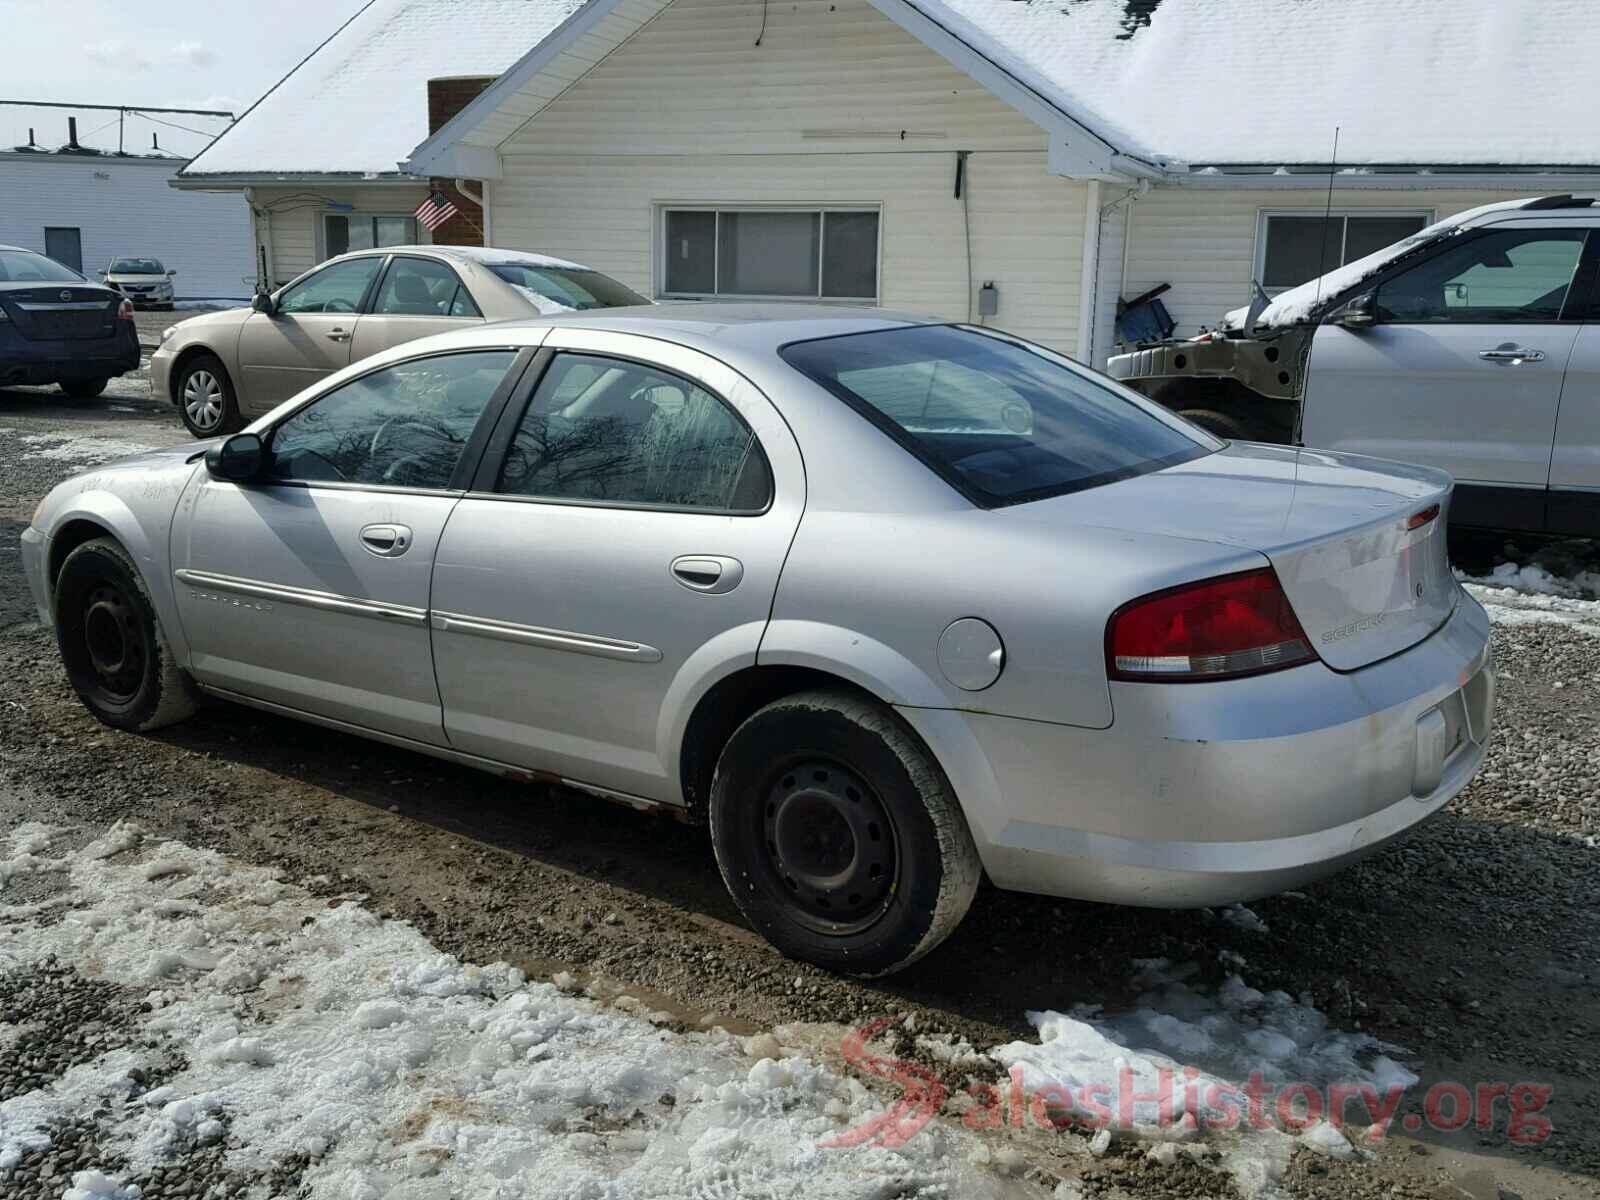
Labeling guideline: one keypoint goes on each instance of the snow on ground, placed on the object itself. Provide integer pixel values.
(315, 1031)
(1528, 594)
(91, 448)
(1206, 1050)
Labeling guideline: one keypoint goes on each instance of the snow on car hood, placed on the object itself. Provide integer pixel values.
(1296, 304)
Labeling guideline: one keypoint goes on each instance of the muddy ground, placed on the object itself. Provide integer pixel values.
(1473, 945)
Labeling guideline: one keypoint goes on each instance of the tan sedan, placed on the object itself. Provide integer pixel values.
(223, 369)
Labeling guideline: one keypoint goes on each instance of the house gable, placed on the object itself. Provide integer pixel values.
(828, 76)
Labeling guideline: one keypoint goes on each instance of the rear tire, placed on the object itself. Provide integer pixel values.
(117, 658)
(1215, 422)
(839, 836)
(84, 389)
(206, 399)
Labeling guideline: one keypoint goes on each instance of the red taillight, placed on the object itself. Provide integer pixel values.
(1235, 625)
(1418, 519)
(125, 311)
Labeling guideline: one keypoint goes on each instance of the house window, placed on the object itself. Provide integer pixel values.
(343, 232)
(1300, 245)
(770, 253)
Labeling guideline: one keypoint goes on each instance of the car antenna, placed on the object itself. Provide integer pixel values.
(1327, 219)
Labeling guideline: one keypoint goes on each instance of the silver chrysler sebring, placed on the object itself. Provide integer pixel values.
(885, 603)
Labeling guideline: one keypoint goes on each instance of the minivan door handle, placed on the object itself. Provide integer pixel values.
(386, 541)
(713, 574)
(1514, 355)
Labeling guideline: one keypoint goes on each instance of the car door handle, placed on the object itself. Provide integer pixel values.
(338, 335)
(713, 574)
(386, 541)
(1511, 354)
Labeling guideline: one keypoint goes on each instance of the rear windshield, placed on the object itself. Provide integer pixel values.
(1002, 423)
(566, 288)
(19, 266)
(137, 266)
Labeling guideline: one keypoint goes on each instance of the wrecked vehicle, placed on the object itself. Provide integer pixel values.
(1450, 348)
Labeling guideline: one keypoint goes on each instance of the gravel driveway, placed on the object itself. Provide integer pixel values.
(1471, 948)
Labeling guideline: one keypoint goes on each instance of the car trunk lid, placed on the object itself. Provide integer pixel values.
(61, 312)
(1359, 544)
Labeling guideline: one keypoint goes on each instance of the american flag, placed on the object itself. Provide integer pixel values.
(434, 211)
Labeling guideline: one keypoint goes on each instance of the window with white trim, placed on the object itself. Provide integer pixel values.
(344, 232)
(1297, 245)
(770, 253)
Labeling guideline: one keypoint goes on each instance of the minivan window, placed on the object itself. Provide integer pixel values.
(1000, 422)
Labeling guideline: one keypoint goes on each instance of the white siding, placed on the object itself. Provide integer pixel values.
(296, 218)
(1203, 240)
(1027, 226)
(829, 75)
(690, 110)
(126, 207)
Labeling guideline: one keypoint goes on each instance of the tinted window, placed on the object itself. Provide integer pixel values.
(335, 289)
(1504, 276)
(557, 289)
(1001, 423)
(601, 429)
(17, 266)
(404, 426)
(422, 287)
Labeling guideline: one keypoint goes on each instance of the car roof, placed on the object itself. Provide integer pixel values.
(755, 327)
(483, 255)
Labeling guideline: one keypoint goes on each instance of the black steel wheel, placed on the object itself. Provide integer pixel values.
(838, 834)
(111, 642)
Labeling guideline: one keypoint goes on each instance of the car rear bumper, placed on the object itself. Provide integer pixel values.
(1210, 793)
(23, 360)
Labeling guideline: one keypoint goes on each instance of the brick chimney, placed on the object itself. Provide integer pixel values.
(447, 97)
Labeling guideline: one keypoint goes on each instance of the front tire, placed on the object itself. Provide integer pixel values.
(206, 399)
(84, 389)
(117, 658)
(839, 836)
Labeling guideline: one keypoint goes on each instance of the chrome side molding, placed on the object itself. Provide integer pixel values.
(202, 581)
(549, 639)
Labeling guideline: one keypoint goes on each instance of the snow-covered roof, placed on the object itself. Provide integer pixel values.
(1414, 82)
(358, 103)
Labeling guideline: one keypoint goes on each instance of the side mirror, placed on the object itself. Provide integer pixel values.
(172, 272)
(1360, 313)
(262, 303)
(240, 459)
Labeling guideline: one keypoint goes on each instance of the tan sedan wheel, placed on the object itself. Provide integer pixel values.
(206, 398)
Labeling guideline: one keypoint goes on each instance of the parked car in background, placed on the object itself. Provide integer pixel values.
(57, 327)
(143, 280)
(223, 368)
(886, 603)
(1472, 346)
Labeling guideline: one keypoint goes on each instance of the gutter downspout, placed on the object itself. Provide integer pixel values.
(1090, 273)
(481, 199)
(263, 222)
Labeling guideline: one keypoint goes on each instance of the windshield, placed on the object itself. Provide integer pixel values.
(1001, 422)
(568, 288)
(137, 266)
(20, 266)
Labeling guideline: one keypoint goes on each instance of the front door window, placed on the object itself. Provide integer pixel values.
(1501, 277)
(335, 289)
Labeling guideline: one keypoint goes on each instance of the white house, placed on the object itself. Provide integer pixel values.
(316, 157)
(69, 191)
(1067, 152)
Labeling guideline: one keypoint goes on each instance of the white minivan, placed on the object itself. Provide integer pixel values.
(1473, 345)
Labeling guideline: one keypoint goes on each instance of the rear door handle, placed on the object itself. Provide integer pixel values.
(713, 574)
(386, 541)
(1511, 354)
(338, 335)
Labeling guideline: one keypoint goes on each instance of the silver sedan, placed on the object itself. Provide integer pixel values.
(886, 604)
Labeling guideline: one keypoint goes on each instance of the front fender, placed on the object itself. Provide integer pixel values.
(139, 516)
